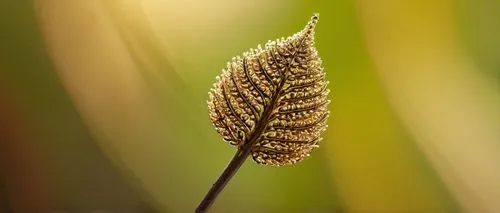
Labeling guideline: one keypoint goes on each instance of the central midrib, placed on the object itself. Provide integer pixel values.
(263, 122)
(261, 125)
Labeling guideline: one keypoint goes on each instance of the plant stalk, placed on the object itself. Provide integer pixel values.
(240, 156)
(231, 169)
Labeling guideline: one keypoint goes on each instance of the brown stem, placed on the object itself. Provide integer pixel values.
(231, 169)
(240, 156)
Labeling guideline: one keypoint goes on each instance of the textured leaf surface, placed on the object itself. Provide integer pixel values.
(273, 99)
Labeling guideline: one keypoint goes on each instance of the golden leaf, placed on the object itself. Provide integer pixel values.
(273, 100)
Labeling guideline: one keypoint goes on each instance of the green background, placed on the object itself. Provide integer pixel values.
(103, 106)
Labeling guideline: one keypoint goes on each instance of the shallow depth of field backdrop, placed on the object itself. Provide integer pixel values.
(103, 106)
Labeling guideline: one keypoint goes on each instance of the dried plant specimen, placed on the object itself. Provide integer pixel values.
(271, 103)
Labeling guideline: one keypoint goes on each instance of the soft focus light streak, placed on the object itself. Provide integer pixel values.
(439, 93)
(195, 28)
(375, 165)
(101, 79)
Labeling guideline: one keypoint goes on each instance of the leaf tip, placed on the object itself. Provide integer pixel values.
(315, 16)
(311, 25)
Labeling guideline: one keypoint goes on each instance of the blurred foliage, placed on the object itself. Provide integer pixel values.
(103, 106)
(479, 32)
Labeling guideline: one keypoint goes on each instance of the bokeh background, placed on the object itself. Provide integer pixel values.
(103, 106)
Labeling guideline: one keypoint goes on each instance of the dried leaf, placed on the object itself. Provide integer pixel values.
(273, 100)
